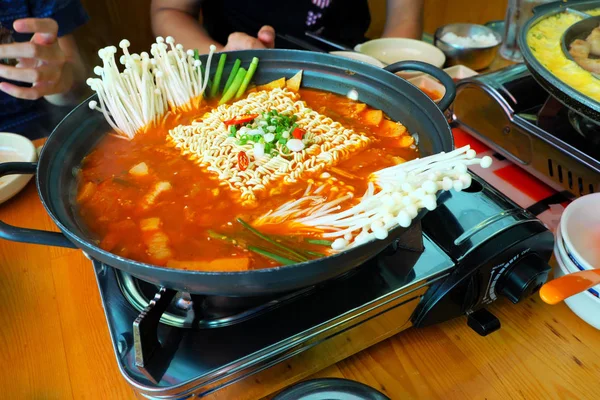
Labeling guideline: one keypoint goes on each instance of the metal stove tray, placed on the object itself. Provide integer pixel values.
(363, 309)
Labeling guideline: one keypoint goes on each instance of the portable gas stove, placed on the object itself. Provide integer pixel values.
(475, 246)
(514, 115)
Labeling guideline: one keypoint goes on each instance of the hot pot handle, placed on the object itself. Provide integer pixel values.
(25, 235)
(437, 73)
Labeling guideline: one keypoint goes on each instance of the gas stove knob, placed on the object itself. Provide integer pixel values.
(524, 278)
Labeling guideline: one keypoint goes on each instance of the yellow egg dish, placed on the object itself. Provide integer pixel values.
(543, 40)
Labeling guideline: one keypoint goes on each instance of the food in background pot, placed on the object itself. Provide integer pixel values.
(544, 41)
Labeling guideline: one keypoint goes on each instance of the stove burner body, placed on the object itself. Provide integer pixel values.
(512, 114)
(470, 251)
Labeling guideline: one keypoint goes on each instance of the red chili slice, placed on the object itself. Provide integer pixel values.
(298, 133)
(241, 120)
(243, 161)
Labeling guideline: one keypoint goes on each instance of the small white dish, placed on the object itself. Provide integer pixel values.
(359, 57)
(429, 86)
(14, 148)
(580, 230)
(459, 72)
(392, 50)
(584, 305)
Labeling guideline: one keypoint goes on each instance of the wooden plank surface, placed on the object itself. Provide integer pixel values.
(54, 342)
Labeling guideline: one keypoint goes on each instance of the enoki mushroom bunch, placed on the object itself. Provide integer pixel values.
(169, 79)
(393, 198)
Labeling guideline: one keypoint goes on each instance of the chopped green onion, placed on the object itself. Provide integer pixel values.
(247, 78)
(216, 235)
(218, 75)
(268, 239)
(272, 256)
(232, 131)
(228, 95)
(232, 74)
(320, 242)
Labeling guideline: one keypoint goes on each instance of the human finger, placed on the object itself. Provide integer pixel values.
(242, 41)
(25, 93)
(44, 28)
(30, 50)
(267, 36)
(30, 75)
(27, 63)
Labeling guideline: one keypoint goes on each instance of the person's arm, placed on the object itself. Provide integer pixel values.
(179, 18)
(51, 64)
(404, 18)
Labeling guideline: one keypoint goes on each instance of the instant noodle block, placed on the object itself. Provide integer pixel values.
(210, 143)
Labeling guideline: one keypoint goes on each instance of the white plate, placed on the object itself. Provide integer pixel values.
(14, 148)
(391, 50)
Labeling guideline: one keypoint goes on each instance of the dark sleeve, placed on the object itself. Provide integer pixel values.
(69, 14)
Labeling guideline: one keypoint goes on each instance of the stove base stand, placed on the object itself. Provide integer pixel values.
(483, 322)
(150, 354)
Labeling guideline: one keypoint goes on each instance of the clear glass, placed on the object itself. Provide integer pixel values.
(518, 13)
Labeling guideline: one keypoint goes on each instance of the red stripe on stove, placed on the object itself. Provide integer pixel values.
(462, 138)
(524, 182)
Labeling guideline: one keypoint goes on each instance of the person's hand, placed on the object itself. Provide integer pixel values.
(41, 61)
(240, 41)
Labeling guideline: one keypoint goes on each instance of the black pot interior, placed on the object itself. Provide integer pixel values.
(81, 130)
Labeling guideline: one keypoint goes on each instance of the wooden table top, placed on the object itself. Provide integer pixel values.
(54, 342)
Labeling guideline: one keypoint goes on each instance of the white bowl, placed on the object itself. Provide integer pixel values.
(391, 50)
(584, 305)
(580, 230)
(569, 265)
(425, 82)
(14, 148)
(359, 57)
